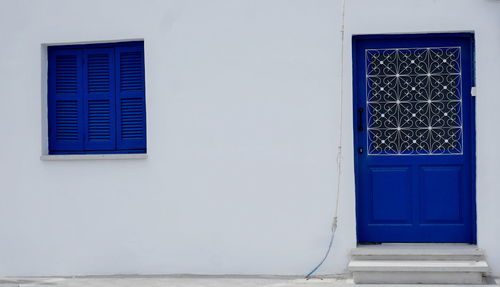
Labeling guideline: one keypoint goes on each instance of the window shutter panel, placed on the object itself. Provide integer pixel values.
(65, 102)
(131, 108)
(99, 104)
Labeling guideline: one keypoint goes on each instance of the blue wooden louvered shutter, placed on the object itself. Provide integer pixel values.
(130, 100)
(65, 100)
(99, 95)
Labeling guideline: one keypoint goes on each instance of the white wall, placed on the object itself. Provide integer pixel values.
(243, 110)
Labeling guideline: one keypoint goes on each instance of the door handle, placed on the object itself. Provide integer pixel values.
(360, 119)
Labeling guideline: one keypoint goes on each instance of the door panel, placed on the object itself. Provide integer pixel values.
(414, 137)
(441, 199)
(391, 200)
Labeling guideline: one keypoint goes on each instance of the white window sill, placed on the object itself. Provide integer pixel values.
(51, 157)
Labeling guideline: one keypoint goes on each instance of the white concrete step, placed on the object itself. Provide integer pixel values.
(399, 251)
(457, 278)
(418, 264)
(484, 284)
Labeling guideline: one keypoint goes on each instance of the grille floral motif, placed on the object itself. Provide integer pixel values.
(414, 101)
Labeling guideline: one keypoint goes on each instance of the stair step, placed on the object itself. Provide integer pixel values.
(418, 263)
(418, 266)
(484, 284)
(418, 251)
(391, 277)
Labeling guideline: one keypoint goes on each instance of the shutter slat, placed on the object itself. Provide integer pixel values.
(66, 79)
(131, 71)
(99, 120)
(67, 126)
(132, 113)
(99, 71)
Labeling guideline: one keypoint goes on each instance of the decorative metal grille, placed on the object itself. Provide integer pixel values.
(414, 101)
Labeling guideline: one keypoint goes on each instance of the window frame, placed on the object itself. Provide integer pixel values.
(47, 153)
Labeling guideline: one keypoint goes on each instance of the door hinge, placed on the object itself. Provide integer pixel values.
(473, 91)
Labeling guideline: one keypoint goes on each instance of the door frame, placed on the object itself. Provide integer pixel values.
(472, 110)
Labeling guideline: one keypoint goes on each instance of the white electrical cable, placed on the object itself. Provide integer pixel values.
(339, 149)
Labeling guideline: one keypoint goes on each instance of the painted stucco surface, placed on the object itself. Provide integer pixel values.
(243, 110)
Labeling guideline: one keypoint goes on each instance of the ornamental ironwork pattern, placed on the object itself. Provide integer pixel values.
(414, 101)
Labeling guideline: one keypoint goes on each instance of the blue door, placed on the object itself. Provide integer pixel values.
(414, 138)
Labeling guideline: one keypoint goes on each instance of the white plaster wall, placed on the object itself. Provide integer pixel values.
(243, 109)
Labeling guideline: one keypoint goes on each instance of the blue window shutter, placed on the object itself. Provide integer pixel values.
(130, 100)
(99, 99)
(65, 100)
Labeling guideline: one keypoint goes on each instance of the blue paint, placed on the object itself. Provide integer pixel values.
(414, 198)
(96, 98)
(65, 130)
(99, 99)
(131, 106)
